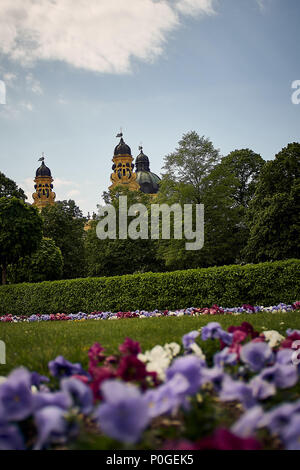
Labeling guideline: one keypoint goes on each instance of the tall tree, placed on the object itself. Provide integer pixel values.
(274, 213)
(20, 231)
(8, 188)
(115, 257)
(245, 165)
(191, 163)
(45, 264)
(64, 223)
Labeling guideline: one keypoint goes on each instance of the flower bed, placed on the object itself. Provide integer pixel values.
(220, 389)
(192, 311)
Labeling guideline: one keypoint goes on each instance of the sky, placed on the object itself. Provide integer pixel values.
(75, 72)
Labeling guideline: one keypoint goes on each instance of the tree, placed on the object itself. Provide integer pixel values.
(46, 264)
(64, 223)
(191, 163)
(245, 165)
(274, 213)
(8, 188)
(233, 180)
(196, 176)
(115, 257)
(20, 231)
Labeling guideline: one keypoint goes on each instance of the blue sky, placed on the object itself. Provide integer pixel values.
(77, 71)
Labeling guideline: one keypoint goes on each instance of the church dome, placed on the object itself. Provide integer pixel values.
(148, 181)
(122, 148)
(43, 170)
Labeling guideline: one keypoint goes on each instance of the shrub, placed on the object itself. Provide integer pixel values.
(229, 286)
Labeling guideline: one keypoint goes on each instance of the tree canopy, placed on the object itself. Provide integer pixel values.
(8, 188)
(64, 223)
(20, 231)
(274, 213)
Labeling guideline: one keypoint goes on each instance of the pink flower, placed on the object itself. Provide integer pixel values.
(95, 354)
(223, 439)
(130, 347)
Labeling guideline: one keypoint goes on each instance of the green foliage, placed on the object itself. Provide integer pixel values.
(260, 284)
(63, 222)
(8, 188)
(244, 165)
(20, 231)
(46, 264)
(191, 162)
(116, 257)
(274, 213)
(195, 175)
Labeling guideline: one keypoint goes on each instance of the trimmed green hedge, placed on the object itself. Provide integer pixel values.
(228, 286)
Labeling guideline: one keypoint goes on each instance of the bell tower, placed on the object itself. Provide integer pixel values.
(43, 195)
(123, 167)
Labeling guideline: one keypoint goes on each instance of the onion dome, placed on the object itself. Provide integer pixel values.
(148, 181)
(43, 170)
(142, 162)
(122, 148)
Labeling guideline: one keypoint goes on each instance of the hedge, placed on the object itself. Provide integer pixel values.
(228, 286)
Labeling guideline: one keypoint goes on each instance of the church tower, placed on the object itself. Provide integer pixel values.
(43, 195)
(123, 167)
(148, 181)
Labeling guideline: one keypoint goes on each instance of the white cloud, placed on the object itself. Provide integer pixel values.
(102, 36)
(33, 84)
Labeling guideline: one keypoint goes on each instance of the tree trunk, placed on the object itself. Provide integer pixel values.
(4, 275)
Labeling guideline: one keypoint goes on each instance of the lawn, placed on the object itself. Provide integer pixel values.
(34, 344)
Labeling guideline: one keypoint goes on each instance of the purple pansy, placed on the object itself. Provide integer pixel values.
(248, 422)
(282, 376)
(124, 413)
(16, 396)
(214, 376)
(167, 397)
(262, 389)
(58, 399)
(237, 391)
(256, 355)
(225, 358)
(291, 433)
(190, 367)
(10, 437)
(189, 338)
(37, 379)
(213, 330)
(51, 426)
(81, 394)
(61, 367)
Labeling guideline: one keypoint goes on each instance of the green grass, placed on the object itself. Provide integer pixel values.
(34, 344)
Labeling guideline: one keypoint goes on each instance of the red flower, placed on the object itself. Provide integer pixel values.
(130, 347)
(222, 439)
(95, 354)
(99, 374)
(288, 342)
(131, 368)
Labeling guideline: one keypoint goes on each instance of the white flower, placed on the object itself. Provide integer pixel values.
(174, 348)
(197, 351)
(273, 338)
